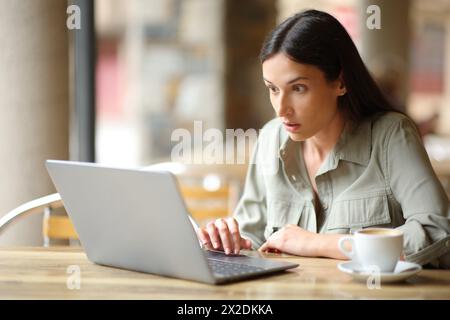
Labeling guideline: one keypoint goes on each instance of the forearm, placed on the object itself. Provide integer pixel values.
(294, 240)
(327, 246)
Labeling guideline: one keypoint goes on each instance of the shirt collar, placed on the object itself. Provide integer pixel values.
(354, 144)
(285, 143)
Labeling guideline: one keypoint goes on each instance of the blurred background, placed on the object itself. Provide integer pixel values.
(114, 90)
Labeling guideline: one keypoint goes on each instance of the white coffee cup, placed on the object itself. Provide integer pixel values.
(378, 248)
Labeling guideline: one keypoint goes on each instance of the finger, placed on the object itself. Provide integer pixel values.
(204, 238)
(246, 243)
(267, 248)
(235, 234)
(214, 235)
(225, 235)
(264, 247)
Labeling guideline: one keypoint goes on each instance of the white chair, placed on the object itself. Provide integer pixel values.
(57, 227)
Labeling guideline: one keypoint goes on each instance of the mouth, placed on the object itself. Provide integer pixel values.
(292, 127)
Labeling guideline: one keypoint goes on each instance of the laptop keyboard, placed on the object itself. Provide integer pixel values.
(226, 269)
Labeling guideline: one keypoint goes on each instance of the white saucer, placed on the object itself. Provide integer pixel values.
(355, 271)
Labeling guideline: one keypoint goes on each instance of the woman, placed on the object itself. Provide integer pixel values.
(345, 160)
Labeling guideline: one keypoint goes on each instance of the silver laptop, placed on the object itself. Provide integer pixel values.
(137, 220)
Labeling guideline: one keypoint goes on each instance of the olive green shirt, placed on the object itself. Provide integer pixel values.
(377, 174)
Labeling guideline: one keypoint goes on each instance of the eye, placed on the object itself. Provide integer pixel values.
(299, 88)
(273, 89)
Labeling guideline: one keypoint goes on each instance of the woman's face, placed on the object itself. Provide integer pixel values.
(301, 96)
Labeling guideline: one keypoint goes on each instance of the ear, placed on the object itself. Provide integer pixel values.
(342, 90)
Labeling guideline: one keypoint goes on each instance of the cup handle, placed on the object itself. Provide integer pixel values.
(341, 245)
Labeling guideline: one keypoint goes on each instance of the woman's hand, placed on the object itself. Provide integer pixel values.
(223, 234)
(292, 239)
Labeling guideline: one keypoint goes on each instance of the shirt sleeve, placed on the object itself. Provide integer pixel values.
(251, 210)
(423, 200)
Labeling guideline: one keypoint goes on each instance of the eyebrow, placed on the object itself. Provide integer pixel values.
(290, 81)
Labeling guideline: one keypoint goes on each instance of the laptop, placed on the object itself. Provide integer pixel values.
(137, 220)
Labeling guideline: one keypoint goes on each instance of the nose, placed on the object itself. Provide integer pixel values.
(283, 106)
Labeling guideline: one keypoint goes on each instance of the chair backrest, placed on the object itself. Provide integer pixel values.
(205, 201)
(205, 205)
(57, 228)
(210, 191)
(54, 226)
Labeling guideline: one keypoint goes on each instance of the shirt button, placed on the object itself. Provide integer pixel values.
(325, 206)
(294, 177)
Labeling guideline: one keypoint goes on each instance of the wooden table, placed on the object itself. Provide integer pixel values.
(42, 273)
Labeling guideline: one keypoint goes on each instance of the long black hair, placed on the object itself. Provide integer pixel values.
(317, 38)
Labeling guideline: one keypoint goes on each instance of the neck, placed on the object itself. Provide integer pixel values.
(321, 143)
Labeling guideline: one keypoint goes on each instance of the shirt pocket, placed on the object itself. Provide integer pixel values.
(280, 213)
(353, 214)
